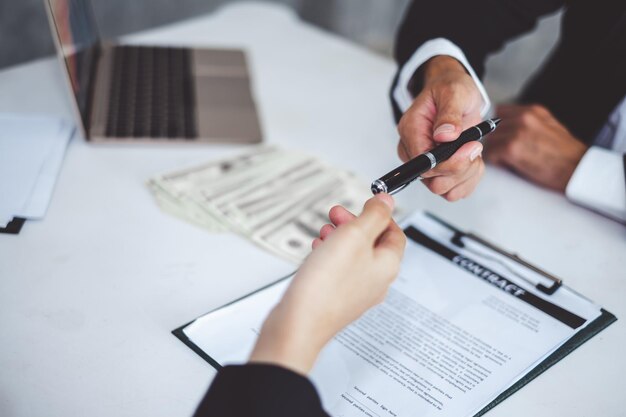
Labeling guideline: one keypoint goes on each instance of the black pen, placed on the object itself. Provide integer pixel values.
(405, 174)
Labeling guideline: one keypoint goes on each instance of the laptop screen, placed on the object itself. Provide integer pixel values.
(77, 33)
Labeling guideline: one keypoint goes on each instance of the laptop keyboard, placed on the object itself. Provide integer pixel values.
(152, 93)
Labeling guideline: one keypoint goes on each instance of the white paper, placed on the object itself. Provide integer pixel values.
(31, 152)
(445, 342)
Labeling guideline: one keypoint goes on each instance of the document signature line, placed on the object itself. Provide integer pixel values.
(363, 405)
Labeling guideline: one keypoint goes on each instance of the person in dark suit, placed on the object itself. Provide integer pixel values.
(567, 130)
(353, 262)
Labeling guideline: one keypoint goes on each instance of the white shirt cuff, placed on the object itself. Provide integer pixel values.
(431, 48)
(598, 183)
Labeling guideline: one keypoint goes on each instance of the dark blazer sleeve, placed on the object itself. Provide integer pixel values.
(582, 80)
(478, 27)
(258, 390)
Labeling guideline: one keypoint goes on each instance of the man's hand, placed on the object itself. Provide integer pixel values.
(354, 261)
(448, 104)
(531, 142)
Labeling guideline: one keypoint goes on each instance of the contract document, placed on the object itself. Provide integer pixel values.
(459, 326)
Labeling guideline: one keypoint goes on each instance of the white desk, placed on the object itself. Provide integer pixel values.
(89, 295)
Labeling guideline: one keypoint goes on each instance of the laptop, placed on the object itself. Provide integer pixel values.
(128, 94)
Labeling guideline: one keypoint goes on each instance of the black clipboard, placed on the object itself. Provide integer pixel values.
(14, 226)
(596, 326)
(592, 329)
(180, 334)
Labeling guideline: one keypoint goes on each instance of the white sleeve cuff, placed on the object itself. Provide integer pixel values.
(598, 183)
(431, 48)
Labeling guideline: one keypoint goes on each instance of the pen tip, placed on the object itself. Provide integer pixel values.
(496, 121)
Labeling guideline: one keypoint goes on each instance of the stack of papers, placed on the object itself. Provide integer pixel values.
(31, 153)
(278, 199)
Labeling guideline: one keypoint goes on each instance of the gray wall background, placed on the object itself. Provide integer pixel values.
(24, 32)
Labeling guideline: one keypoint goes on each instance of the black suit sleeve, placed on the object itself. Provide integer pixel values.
(257, 390)
(478, 27)
(582, 80)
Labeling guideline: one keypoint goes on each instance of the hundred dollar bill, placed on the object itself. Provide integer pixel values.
(198, 194)
(188, 212)
(291, 235)
(264, 181)
(271, 200)
(276, 198)
(182, 187)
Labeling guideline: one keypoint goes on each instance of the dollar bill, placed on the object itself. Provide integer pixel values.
(278, 199)
(186, 186)
(291, 235)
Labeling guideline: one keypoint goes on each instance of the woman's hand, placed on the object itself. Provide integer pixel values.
(350, 269)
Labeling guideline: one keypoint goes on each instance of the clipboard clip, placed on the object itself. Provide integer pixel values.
(459, 236)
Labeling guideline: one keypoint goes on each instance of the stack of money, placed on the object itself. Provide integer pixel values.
(276, 198)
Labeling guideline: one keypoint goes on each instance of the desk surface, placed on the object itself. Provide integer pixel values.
(89, 295)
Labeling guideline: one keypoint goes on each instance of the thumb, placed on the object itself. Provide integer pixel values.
(447, 125)
(376, 215)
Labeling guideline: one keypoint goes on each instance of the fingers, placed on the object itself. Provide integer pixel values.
(465, 165)
(402, 152)
(387, 199)
(392, 241)
(339, 215)
(326, 230)
(457, 109)
(440, 115)
(449, 119)
(415, 129)
(443, 185)
(466, 187)
(459, 163)
(375, 217)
